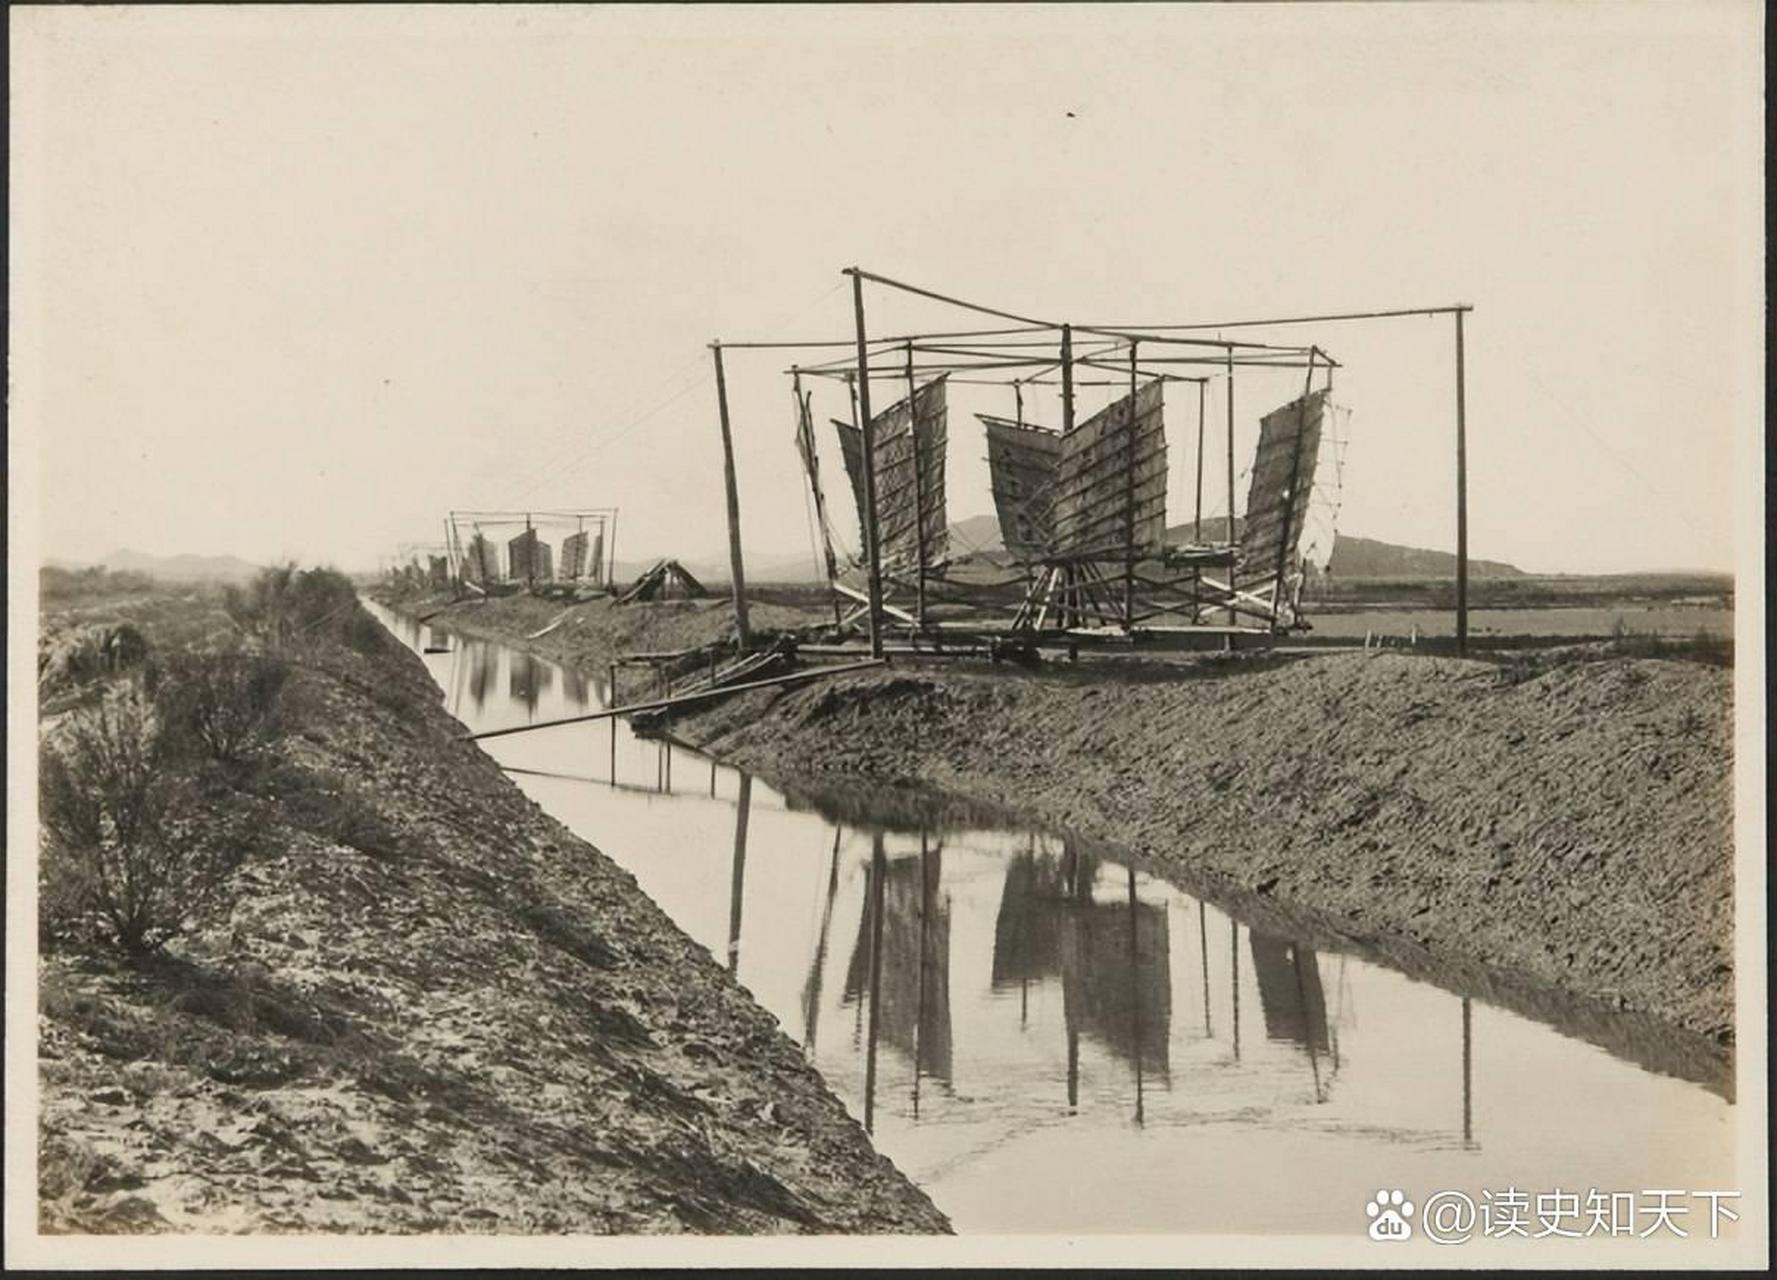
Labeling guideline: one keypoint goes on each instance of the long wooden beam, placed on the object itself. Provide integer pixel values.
(798, 677)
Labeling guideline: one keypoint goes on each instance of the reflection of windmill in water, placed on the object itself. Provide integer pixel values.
(528, 679)
(1291, 998)
(484, 668)
(901, 962)
(1113, 958)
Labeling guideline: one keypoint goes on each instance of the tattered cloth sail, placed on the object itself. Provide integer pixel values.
(1110, 485)
(910, 446)
(1277, 502)
(1021, 464)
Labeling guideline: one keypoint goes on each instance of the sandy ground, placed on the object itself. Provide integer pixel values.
(490, 1028)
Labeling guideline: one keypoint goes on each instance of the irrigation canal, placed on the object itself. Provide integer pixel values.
(1049, 1041)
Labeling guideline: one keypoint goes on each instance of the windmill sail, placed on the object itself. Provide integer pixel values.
(1021, 463)
(1110, 488)
(910, 440)
(1280, 497)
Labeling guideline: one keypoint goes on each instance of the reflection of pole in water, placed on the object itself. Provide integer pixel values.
(740, 871)
(1234, 978)
(919, 1004)
(811, 993)
(667, 748)
(1203, 938)
(713, 783)
(1073, 1062)
(1468, 1113)
(1308, 1039)
(1134, 999)
(878, 868)
(613, 750)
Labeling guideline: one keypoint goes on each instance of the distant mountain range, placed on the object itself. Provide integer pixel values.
(184, 568)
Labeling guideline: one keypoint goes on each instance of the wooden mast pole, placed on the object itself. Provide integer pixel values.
(869, 433)
(919, 498)
(1233, 618)
(743, 633)
(1197, 532)
(1461, 502)
(1129, 501)
(1070, 604)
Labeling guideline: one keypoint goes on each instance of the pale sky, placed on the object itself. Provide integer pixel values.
(294, 282)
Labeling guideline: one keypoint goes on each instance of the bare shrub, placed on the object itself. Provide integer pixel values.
(125, 842)
(285, 605)
(222, 706)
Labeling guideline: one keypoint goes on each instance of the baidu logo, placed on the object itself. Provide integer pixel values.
(1389, 1212)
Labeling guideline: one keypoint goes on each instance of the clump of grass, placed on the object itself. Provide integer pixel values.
(326, 804)
(77, 656)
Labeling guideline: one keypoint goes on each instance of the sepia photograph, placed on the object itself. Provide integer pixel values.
(886, 635)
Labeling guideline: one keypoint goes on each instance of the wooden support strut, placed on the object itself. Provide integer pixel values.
(1129, 501)
(869, 531)
(1231, 617)
(655, 704)
(1461, 505)
(742, 631)
(919, 498)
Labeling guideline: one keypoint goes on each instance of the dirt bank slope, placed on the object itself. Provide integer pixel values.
(481, 1024)
(1569, 822)
(593, 632)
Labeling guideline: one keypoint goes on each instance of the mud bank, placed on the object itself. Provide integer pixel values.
(481, 1025)
(591, 633)
(1563, 826)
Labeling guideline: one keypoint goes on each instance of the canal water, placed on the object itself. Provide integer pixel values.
(1046, 1040)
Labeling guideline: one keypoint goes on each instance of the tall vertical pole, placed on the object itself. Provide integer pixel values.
(1232, 616)
(919, 497)
(1461, 502)
(1129, 456)
(611, 548)
(1068, 574)
(869, 432)
(738, 874)
(743, 633)
(1197, 519)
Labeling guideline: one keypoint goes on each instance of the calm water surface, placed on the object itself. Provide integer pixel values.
(1049, 1041)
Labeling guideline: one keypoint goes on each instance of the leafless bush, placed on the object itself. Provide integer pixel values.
(221, 706)
(285, 606)
(125, 843)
